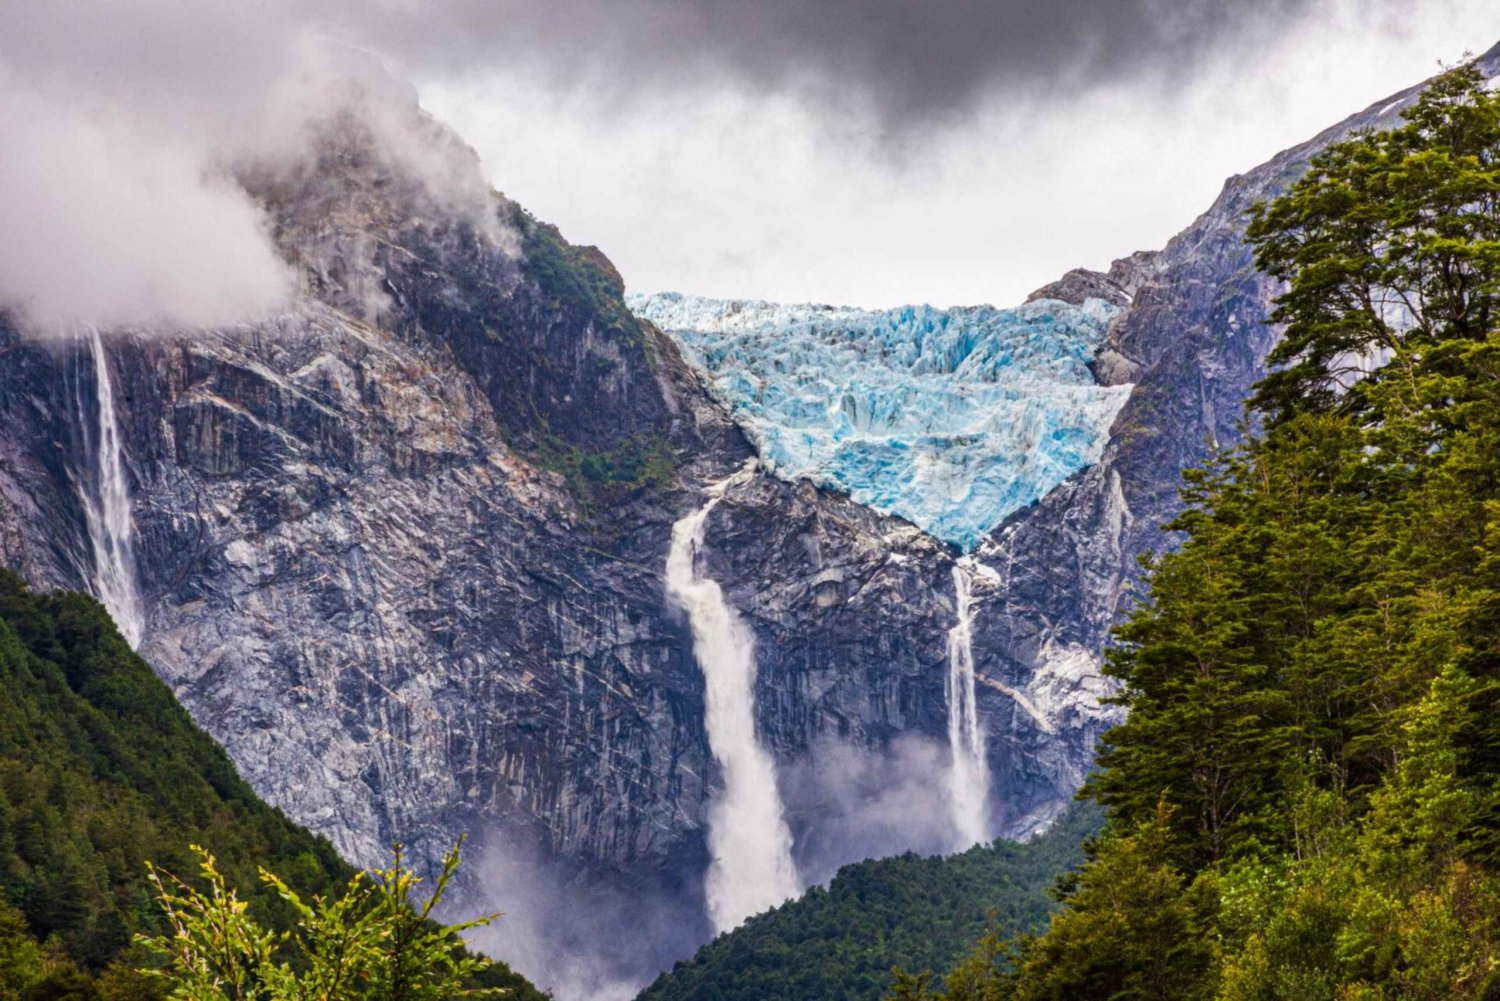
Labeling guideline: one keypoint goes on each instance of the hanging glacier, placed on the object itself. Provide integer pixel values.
(950, 418)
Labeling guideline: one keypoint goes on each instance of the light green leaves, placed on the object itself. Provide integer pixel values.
(372, 941)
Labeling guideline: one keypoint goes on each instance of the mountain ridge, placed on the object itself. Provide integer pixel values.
(401, 551)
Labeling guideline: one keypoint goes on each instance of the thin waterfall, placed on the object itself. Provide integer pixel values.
(106, 507)
(751, 847)
(969, 777)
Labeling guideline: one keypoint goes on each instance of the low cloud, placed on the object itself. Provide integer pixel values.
(125, 126)
(111, 222)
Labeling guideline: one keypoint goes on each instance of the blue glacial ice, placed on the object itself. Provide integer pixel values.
(950, 418)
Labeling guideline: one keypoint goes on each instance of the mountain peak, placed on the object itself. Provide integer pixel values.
(364, 178)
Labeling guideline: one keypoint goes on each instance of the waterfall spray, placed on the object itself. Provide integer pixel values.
(106, 507)
(751, 848)
(969, 779)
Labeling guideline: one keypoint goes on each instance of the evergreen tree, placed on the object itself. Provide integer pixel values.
(101, 770)
(1304, 802)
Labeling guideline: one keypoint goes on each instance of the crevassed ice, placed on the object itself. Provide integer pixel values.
(950, 418)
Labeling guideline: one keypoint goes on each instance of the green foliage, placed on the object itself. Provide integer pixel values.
(1383, 907)
(841, 943)
(1303, 803)
(578, 277)
(632, 465)
(370, 941)
(1130, 928)
(101, 770)
(21, 959)
(1390, 242)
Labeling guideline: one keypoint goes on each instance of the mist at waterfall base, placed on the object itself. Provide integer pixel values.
(577, 937)
(846, 802)
(587, 940)
(770, 830)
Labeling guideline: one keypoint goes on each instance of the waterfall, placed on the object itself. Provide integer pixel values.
(969, 779)
(106, 507)
(751, 848)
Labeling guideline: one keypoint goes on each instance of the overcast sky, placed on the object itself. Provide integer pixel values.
(852, 151)
(888, 152)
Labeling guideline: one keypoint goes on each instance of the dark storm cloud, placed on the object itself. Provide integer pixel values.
(904, 61)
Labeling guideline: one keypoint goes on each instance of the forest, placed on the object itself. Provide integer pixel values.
(102, 771)
(1303, 802)
(840, 942)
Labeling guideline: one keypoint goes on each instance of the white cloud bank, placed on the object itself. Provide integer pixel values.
(114, 200)
(108, 222)
(123, 125)
(730, 190)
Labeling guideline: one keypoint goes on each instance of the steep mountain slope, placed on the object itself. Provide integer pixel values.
(401, 550)
(101, 770)
(1192, 339)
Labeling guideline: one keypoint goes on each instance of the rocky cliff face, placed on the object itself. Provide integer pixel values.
(401, 549)
(1193, 339)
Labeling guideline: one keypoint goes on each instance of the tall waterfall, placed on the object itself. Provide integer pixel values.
(969, 779)
(750, 844)
(106, 507)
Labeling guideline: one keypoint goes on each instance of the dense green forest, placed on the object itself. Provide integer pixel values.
(1303, 803)
(102, 770)
(840, 943)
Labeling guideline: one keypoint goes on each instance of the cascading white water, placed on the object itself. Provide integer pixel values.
(751, 847)
(969, 778)
(106, 508)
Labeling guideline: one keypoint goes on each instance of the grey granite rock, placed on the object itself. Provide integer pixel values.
(401, 548)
